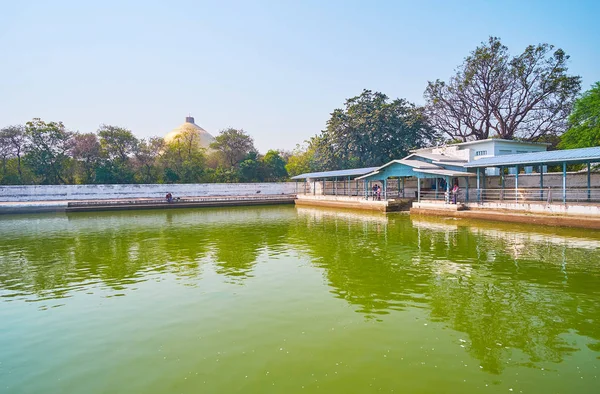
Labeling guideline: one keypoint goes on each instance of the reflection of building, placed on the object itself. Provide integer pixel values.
(487, 175)
(204, 137)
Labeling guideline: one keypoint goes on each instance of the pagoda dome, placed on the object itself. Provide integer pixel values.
(204, 137)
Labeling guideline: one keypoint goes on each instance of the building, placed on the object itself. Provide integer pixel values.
(190, 127)
(491, 175)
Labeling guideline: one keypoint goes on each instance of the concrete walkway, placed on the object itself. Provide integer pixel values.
(140, 203)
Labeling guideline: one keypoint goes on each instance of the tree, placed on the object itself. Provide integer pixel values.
(48, 150)
(233, 145)
(14, 143)
(117, 142)
(584, 122)
(184, 158)
(118, 146)
(147, 154)
(87, 153)
(301, 161)
(371, 130)
(274, 167)
(496, 95)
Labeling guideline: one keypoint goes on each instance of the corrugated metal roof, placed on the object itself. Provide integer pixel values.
(555, 156)
(436, 157)
(444, 172)
(338, 173)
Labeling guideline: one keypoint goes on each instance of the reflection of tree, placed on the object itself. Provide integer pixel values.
(504, 289)
(53, 257)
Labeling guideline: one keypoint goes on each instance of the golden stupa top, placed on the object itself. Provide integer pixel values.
(204, 137)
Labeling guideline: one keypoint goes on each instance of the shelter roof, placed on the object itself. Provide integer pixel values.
(407, 162)
(556, 156)
(444, 172)
(437, 157)
(338, 173)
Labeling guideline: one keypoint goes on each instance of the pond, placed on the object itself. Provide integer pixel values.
(291, 300)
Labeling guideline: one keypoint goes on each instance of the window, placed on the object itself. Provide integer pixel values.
(481, 153)
(521, 151)
(504, 151)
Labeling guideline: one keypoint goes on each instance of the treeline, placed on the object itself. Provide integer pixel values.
(47, 153)
(529, 97)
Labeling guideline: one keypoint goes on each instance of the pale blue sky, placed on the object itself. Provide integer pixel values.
(275, 68)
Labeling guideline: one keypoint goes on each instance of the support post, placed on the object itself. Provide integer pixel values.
(564, 182)
(335, 186)
(403, 196)
(448, 190)
(418, 189)
(366, 189)
(385, 189)
(541, 183)
(502, 178)
(314, 188)
(589, 181)
(467, 189)
(478, 187)
(517, 184)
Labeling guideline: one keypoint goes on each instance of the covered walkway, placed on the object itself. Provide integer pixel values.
(540, 161)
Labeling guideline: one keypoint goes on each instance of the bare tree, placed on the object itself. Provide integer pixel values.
(493, 95)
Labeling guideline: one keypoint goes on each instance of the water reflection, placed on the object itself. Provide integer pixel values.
(505, 287)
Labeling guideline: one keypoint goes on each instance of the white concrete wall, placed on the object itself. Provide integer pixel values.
(102, 192)
(565, 209)
(552, 180)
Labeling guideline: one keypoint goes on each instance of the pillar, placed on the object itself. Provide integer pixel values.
(366, 190)
(335, 186)
(503, 185)
(403, 196)
(541, 183)
(314, 188)
(564, 182)
(589, 181)
(478, 187)
(467, 189)
(418, 189)
(517, 184)
(448, 180)
(385, 189)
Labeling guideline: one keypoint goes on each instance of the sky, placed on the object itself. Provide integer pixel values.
(276, 69)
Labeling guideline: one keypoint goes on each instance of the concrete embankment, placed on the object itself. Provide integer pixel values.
(513, 217)
(134, 204)
(353, 202)
(71, 198)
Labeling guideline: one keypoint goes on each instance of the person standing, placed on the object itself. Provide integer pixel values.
(455, 190)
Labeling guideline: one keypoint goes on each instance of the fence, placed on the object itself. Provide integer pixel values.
(547, 195)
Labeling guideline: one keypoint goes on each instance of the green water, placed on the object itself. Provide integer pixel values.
(291, 300)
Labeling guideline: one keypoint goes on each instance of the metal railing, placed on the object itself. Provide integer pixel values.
(547, 195)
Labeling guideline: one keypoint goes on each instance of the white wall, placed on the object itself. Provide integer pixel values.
(552, 180)
(102, 192)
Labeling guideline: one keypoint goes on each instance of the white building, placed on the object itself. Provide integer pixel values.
(475, 150)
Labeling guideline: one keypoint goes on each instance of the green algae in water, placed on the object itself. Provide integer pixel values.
(284, 299)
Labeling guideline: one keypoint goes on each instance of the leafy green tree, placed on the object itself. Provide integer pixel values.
(251, 168)
(584, 122)
(48, 151)
(233, 146)
(301, 161)
(495, 95)
(147, 155)
(274, 167)
(184, 159)
(371, 130)
(118, 146)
